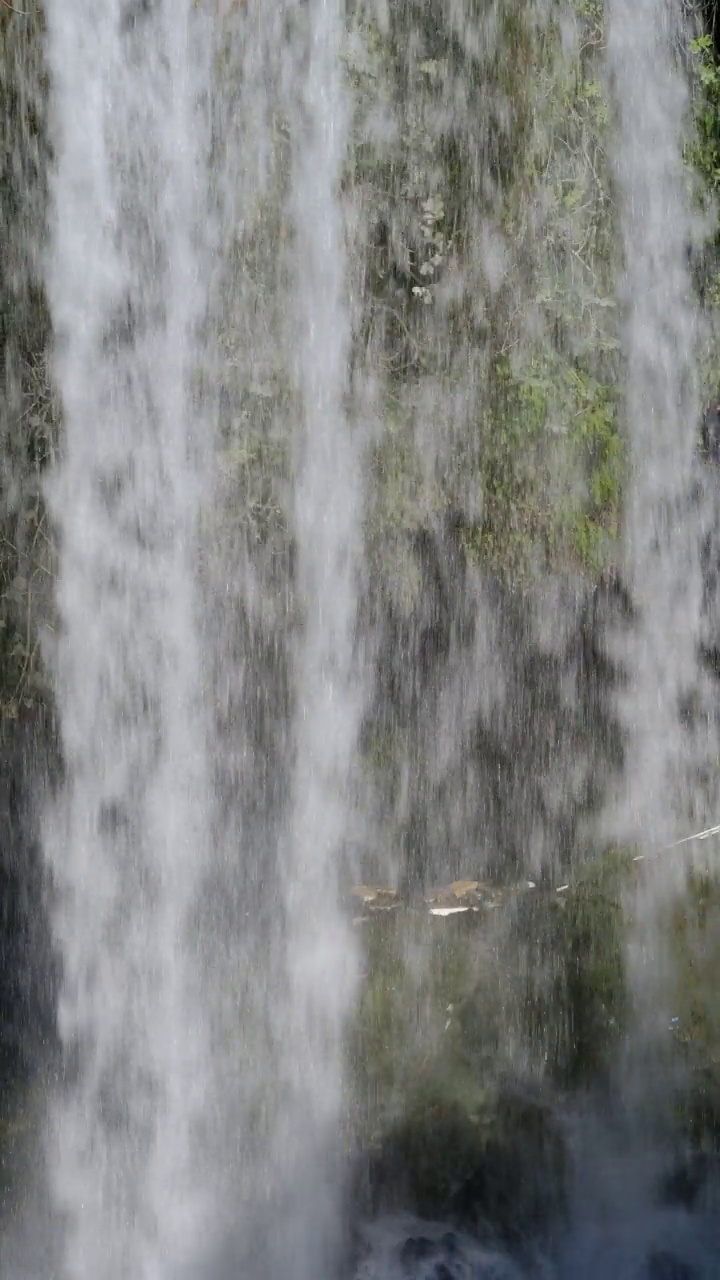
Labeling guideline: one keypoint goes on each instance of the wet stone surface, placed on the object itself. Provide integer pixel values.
(666, 1266)
(401, 1248)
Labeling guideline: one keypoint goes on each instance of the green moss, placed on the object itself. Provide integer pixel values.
(695, 932)
(256, 466)
(29, 413)
(412, 1029)
(588, 541)
(574, 1006)
(531, 467)
(497, 1167)
(550, 473)
(703, 152)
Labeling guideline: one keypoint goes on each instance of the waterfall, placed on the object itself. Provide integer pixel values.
(664, 788)
(127, 839)
(664, 795)
(321, 950)
(372, 477)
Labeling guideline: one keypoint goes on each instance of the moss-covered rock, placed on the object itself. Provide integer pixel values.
(478, 159)
(411, 1024)
(695, 1001)
(494, 1164)
(29, 413)
(521, 980)
(22, 1111)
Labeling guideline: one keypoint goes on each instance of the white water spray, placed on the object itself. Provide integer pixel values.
(658, 652)
(127, 839)
(661, 554)
(131, 838)
(321, 961)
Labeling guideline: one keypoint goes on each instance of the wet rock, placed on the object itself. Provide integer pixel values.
(459, 893)
(666, 1266)
(449, 1244)
(693, 924)
(401, 1246)
(475, 895)
(134, 13)
(370, 900)
(417, 1250)
(459, 897)
(498, 1170)
(443, 1273)
(710, 435)
(687, 1181)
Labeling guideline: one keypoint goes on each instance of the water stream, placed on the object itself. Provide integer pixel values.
(127, 839)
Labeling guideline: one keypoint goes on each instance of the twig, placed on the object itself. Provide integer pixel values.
(22, 13)
(663, 848)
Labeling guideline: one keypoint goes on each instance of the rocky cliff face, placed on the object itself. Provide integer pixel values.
(28, 435)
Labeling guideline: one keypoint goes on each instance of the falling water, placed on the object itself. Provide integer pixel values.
(320, 955)
(127, 838)
(662, 796)
(129, 841)
(661, 551)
